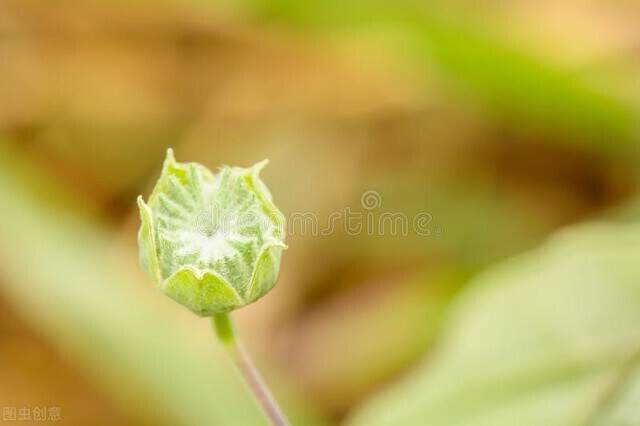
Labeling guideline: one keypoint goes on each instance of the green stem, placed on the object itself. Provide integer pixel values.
(223, 327)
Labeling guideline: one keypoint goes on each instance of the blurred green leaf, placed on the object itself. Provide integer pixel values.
(61, 272)
(548, 338)
(538, 95)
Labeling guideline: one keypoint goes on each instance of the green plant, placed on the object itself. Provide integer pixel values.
(213, 243)
(546, 338)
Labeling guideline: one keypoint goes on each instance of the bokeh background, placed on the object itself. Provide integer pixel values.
(503, 120)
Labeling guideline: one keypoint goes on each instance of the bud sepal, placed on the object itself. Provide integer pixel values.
(213, 243)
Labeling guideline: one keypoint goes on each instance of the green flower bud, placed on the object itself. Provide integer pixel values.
(212, 243)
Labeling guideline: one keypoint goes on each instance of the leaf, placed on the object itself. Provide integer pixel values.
(482, 64)
(549, 338)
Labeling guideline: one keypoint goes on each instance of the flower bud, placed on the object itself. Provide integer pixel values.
(212, 243)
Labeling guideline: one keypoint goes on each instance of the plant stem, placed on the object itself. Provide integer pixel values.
(223, 326)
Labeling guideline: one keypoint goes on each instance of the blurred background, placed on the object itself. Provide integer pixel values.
(502, 120)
